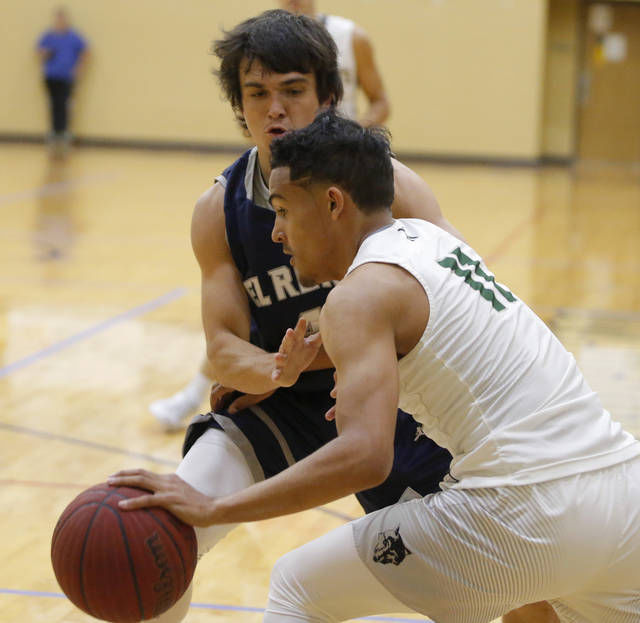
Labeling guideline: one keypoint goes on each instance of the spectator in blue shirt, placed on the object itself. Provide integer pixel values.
(63, 52)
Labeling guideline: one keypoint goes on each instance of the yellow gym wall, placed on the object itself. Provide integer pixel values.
(465, 77)
(561, 78)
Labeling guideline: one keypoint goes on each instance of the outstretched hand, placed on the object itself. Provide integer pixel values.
(295, 354)
(168, 491)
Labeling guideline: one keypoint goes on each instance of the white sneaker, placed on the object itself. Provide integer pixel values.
(171, 412)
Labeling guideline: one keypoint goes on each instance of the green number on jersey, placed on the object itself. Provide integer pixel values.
(477, 278)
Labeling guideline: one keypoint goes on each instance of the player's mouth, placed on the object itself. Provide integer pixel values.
(276, 131)
(288, 252)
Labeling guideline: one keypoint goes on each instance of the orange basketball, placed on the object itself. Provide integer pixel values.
(121, 566)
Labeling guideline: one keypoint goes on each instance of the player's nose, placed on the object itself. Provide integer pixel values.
(276, 108)
(277, 235)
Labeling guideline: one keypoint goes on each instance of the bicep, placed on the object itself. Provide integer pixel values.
(361, 345)
(225, 307)
(369, 78)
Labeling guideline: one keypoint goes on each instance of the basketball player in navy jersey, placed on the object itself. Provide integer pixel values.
(358, 71)
(277, 70)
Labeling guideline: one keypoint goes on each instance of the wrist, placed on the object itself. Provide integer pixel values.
(214, 514)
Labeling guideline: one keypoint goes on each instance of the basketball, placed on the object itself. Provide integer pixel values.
(121, 566)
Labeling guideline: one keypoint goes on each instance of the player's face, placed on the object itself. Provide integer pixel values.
(273, 104)
(301, 227)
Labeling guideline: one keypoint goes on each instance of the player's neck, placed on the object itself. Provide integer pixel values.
(373, 223)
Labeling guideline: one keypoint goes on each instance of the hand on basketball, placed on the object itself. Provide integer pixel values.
(295, 354)
(168, 491)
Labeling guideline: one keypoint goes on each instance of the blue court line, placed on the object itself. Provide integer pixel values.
(106, 324)
(223, 607)
(58, 346)
(87, 444)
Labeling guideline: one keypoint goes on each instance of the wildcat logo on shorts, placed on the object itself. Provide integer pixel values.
(419, 433)
(390, 549)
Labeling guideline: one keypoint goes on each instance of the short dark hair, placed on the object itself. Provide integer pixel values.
(340, 151)
(282, 42)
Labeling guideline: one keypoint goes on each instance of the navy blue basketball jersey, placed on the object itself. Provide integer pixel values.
(276, 298)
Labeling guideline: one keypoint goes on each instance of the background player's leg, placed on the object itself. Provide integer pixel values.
(172, 411)
(214, 466)
(325, 580)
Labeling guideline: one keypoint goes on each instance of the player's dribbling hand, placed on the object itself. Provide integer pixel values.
(168, 491)
(295, 354)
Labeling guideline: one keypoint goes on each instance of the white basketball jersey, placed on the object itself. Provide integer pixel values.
(341, 30)
(488, 380)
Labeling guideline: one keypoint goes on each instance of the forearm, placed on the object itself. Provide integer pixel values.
(80, 65)
(239, 364)
(336, 470)
(377, 113)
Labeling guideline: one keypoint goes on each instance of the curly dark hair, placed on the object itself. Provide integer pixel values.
(340, 151)
(282, 43)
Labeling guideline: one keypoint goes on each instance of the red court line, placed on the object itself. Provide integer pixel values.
(513, 235)
(41, 484)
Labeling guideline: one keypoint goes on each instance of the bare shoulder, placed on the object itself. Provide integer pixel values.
(375, 301)
(372, 292)
(209, 206)
(410, 189)
(361, 40)
(415, 199)
(207, 222)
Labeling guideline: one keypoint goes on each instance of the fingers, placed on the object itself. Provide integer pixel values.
(140, 478)
(142, 501)
(216, 399)
(293, 336)
(315, 339)
(301, 327)
(247, 400)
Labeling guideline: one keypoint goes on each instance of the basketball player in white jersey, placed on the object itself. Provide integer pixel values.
(356, 62)
(542, 501)
(357, 70)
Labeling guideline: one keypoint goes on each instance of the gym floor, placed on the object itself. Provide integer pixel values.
(99, 316)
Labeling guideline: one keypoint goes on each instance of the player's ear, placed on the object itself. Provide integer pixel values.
(335, 202)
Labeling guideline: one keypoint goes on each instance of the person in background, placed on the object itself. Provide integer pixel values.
(358, 69)
(63, 52)
(356, 63)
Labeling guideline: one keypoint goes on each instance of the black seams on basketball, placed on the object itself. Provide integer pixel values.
(121, 566)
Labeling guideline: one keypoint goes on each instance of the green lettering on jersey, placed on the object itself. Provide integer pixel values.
(487, 290)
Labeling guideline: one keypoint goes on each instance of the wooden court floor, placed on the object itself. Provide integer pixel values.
(99, 315)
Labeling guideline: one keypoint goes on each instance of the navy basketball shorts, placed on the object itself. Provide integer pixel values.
(290, 425)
